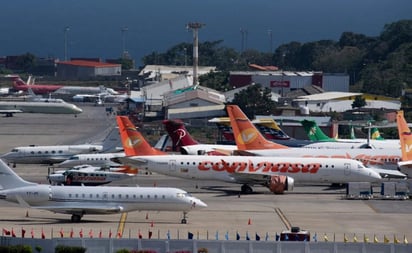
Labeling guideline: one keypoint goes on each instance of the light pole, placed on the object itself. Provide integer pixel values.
(195, 28)
(124, 30)
(66, 29)
(270, 40)
(243, 45)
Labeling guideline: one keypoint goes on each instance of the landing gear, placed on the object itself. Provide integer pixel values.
(76, 217)
(246, 189)
(184, 220)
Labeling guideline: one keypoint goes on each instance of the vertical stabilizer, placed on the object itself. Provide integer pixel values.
(375, 134)
(133, 141)
(9, 179)
(112, 142)
(247, 136)
(405, 136)
(179, 134)
(314, 132)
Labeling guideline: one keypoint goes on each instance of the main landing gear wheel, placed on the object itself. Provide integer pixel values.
(246, 189)
(76, 218)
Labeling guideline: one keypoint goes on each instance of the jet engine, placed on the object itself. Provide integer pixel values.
(279, 184)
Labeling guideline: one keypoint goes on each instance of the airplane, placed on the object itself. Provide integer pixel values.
(80, 200)
(276, 173)
(86, 175)
(52, 154)
(184, 143)
(405, 137)
(316, 134)
(96, 159)
(20, 85)
(50, 107)
(267, 126)
(250, 141)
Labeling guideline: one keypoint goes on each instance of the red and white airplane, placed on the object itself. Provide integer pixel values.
(250, 141)
(41, 89)
(277, 173)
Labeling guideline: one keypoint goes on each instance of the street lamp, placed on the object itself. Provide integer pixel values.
(124, 30)
(66, 29)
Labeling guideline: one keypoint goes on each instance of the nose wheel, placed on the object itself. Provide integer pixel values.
(76, 218)
(184, 220)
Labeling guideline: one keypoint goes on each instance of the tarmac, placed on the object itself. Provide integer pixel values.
(320, 209)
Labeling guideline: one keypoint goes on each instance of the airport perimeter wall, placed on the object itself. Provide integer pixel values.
(106, 245)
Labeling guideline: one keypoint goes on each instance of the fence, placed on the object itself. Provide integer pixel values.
(106, 245)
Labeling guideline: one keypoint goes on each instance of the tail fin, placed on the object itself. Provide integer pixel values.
(271, 129)
(17, 81)
(314, 132)
(9, 179)
(179, 134)
(375, 135)
(247, 136)
(112, 142)
(133, 141)
(405, 136)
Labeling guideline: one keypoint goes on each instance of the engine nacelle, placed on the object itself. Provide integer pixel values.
(279, 184)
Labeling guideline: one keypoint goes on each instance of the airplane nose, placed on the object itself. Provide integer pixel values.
(198, 203)
(374, 175)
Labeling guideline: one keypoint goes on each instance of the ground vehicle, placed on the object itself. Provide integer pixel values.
(295, 234)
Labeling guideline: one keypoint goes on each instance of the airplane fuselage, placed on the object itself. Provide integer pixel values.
(46, 154)
(226, 168)
(106, 200)
(41, 107)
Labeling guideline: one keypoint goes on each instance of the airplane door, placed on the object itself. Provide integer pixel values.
(347, 169)
(172, 165)
(105, 196)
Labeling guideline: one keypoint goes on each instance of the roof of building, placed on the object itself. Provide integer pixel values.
(327, 96)
(93, 64)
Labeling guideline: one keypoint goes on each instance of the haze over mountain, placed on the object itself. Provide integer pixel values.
(95, 25)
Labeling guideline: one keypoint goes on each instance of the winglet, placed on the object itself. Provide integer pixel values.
(405, 137)
(179, 134)
(132, 140)
(247, 136)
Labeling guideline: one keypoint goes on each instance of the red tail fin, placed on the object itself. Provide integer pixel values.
(247, 136)
(133, 141)
(179, 134)
(17, 82)
(405, 137)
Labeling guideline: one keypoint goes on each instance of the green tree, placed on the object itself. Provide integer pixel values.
(358, 102)
(255, 100)
(26, 62)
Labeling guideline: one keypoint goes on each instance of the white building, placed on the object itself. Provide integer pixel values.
(342, 101)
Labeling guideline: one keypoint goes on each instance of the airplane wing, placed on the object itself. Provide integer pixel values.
(84, 209)
(251, 178)
(134, 162)
(75, 208)
(393, 174)
(9, 113)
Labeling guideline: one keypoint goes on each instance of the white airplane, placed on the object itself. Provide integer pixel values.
(85, 175)
(102, 160)
(277, 173)
(57, 153)
(81, 200)
(250, 141)
(49, 107)
(376, 141)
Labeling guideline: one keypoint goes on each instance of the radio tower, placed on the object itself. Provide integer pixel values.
(195, 28)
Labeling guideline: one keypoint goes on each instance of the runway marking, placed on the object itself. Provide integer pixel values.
(283, 218)
(122, 223)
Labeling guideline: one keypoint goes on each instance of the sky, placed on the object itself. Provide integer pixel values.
(95, 26)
